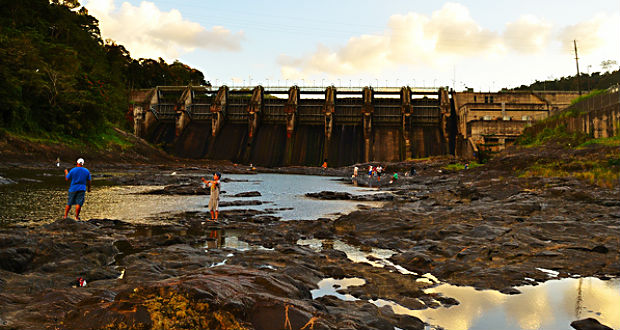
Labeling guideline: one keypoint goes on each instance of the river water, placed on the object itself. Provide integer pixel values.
(40, 197)
(551, 305)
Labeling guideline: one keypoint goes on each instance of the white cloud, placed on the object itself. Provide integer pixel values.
(447, 36)
(411, 39)
(528, 34)
(589, 34)
(147, 31)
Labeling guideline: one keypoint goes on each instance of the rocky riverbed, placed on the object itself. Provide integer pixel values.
(485, 228)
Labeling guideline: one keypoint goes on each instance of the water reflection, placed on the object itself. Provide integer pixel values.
(330, 287)
(215, 239)
(39, 197)
(551, 305)
(375, 257)
(229, 239)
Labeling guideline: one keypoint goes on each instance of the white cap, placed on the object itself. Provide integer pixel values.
(80, 161)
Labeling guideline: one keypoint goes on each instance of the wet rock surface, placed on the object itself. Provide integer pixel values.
(338, 195)
(485, 228)
(182, 275)
(589, 324)
(248, 194)
(4, 180)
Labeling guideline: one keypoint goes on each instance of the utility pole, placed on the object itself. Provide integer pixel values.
(577, 62)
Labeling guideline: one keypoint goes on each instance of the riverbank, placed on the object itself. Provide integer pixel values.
(491, 227)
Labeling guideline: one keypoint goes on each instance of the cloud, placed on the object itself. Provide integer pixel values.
(147, 31)
(411, 39)
(589, 34)
(528, 34)
(448, 35)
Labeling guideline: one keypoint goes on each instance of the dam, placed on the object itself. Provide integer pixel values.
(287, 126)
(283, 126)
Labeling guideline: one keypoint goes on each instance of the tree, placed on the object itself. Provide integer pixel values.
(59, 76)
(608, 65)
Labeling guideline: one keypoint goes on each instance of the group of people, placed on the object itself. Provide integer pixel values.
(373, 172)
(377, 172)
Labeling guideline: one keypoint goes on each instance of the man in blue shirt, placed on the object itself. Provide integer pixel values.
(80, 182)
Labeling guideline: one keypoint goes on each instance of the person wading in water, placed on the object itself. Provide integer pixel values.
(80, 182)
(214, 200)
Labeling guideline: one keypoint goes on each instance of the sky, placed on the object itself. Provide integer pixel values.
(485, 45)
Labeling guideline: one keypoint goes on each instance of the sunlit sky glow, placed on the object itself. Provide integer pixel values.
(481, 44)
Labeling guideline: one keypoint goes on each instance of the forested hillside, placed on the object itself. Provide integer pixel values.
(588, 82)
(60, 78)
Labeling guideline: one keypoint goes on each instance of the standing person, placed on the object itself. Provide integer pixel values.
(394, 178)
(412, 171)
(379, 171)
(214, 200)
(80, 183)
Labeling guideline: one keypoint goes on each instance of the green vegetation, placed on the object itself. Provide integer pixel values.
(105, 139)
(589, 82)
(604, 172)
(461, 166)
(609, 142)
(587, 96)
(601, 170)
(559, 134)
(62, 83)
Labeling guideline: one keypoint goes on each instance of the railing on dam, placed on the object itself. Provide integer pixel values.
(386, 104)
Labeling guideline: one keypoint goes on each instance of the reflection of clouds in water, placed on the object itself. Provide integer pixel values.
(550, 305)
(531, 309)
(473, 304)
(596, 296)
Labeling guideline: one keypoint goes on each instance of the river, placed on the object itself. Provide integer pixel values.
(39, 196)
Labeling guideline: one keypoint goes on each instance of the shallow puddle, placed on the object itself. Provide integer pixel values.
(330, 287)
(550, 305)
(229, 239)
(375, 257)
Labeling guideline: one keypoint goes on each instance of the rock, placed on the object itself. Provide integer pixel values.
(487, 232)
(4, 180)
(410, 322)
(509, 291)
(447, 301)
(16, 259)
(337, 195)
(29, 180)
(589, 324)
(179, 189)
(240, 203)
(413, 261)
(600, 249)
(412, 303)
(330, 195)
(548, 254)
(248, 194)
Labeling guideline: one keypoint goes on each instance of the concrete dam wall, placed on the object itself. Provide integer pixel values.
(296, 126)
